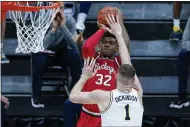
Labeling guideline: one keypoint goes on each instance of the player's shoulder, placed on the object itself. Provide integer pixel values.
(137, 92)
(140, 96)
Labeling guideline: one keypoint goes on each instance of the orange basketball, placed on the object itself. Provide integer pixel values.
(104, 13)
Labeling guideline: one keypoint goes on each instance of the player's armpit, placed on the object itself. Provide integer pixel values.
(93, 97)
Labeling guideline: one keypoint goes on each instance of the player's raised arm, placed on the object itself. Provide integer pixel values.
(88, 49)
(116, 30)
(76, 96)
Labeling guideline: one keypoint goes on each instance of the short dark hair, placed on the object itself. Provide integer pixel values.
(108, 34)
(127, 70)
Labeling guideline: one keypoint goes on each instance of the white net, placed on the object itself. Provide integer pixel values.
(32, 26)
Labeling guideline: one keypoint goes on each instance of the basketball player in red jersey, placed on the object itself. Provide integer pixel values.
(107, 65)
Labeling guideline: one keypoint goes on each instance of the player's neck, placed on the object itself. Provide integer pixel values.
(124, 88)
(112, 57)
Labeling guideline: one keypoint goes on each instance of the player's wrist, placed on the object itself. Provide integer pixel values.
(121, 22)
(118, 35)
(84, 77)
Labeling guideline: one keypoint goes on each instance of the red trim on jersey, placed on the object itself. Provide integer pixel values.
(90, 114)
(118, 60)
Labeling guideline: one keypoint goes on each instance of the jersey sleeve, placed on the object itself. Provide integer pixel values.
(88, 49)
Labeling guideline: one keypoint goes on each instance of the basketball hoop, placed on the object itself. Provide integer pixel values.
(32, 19)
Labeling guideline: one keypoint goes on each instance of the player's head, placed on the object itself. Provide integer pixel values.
(126, 75)
(108, 45)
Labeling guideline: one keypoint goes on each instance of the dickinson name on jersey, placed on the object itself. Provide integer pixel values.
(126, 97)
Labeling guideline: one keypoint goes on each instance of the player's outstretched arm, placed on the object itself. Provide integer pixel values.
(116, 30)
(76, 96)
(93, 97)
(88, 49)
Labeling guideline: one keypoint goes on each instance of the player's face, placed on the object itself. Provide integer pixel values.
(108, 46)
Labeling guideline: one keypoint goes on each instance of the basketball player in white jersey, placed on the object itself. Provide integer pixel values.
(119, 107)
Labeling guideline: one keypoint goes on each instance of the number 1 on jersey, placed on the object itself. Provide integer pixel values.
(127, 112)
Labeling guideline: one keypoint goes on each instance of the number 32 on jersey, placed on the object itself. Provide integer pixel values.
(103, 79)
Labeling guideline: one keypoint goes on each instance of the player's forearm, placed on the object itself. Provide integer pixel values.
(75, 92)
(125, 36)
(88, 49)
(123, 51)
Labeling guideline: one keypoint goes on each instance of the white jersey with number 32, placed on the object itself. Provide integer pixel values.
(125, 109)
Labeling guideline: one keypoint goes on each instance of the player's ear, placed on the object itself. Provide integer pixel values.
(117, 50)
(98, 48)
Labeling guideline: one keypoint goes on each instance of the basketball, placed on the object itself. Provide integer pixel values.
(104, 13)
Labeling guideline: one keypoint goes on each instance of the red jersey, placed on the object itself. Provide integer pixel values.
(104, 79)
